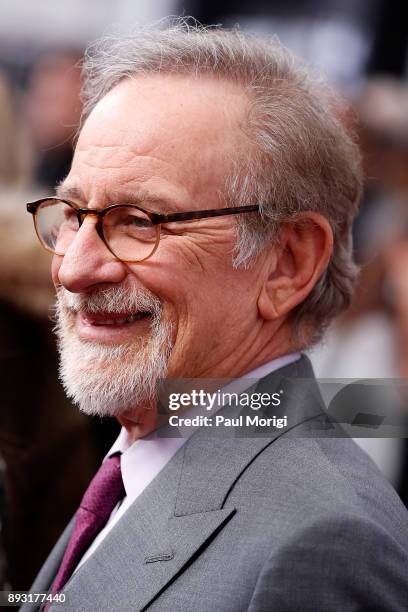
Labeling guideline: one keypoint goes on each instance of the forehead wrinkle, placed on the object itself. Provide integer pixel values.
(128, 185)
(128, 164)
(129, 154)
(134, 196)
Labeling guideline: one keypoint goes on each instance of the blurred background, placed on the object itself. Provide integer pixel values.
(48, 452)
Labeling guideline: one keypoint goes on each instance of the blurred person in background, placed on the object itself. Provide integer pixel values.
(13, 154)
(43, 475)
(382, 109)
(371, 339)
(22, 271)
(52, 112)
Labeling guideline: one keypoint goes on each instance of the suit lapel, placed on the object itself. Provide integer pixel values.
(50, 568)
(227, 453)
(147, 548)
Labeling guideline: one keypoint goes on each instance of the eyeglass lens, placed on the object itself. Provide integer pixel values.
(127, 231)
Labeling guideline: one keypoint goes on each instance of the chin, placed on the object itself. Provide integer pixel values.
(111, 379)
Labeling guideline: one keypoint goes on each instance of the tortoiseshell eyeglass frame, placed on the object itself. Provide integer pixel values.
(156, 219)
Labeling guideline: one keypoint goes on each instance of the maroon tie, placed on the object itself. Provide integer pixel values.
(102, 495)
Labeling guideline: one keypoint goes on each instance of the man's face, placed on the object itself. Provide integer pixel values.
(166, 144)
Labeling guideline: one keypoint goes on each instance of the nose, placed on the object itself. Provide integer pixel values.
(87, 262)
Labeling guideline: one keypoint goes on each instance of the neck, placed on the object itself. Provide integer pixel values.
(272, 340)
(139, 422)
(143, 420)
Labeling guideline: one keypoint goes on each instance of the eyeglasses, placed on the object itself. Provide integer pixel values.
(131, 233)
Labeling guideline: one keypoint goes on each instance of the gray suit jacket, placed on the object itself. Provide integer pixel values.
(280, 522)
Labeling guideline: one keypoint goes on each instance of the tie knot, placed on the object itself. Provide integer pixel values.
(105, 490)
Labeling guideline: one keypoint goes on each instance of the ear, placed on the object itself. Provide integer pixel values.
(296, 264)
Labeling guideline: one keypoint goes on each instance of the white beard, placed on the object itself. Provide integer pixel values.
(109, 380)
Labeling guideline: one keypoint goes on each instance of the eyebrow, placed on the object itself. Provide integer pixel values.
(66, 193)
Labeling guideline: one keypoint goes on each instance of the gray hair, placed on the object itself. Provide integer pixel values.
(303, 158)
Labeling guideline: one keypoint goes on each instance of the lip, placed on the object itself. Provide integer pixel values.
(91, 327)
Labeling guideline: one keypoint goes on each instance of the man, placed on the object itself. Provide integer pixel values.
(178, 122)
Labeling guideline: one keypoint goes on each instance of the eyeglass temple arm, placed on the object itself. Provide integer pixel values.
(187, 216)
(202, 214)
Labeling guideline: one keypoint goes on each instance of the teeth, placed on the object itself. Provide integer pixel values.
(114, 322)
(134, 317)
(129, 319)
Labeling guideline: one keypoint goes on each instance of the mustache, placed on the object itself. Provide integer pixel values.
(114, 300)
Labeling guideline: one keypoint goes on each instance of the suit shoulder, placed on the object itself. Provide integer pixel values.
(328, 477)
(335, 563)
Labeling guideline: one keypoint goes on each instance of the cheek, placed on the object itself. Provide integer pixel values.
(169, 277)
(194, 286)
(187, 304)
